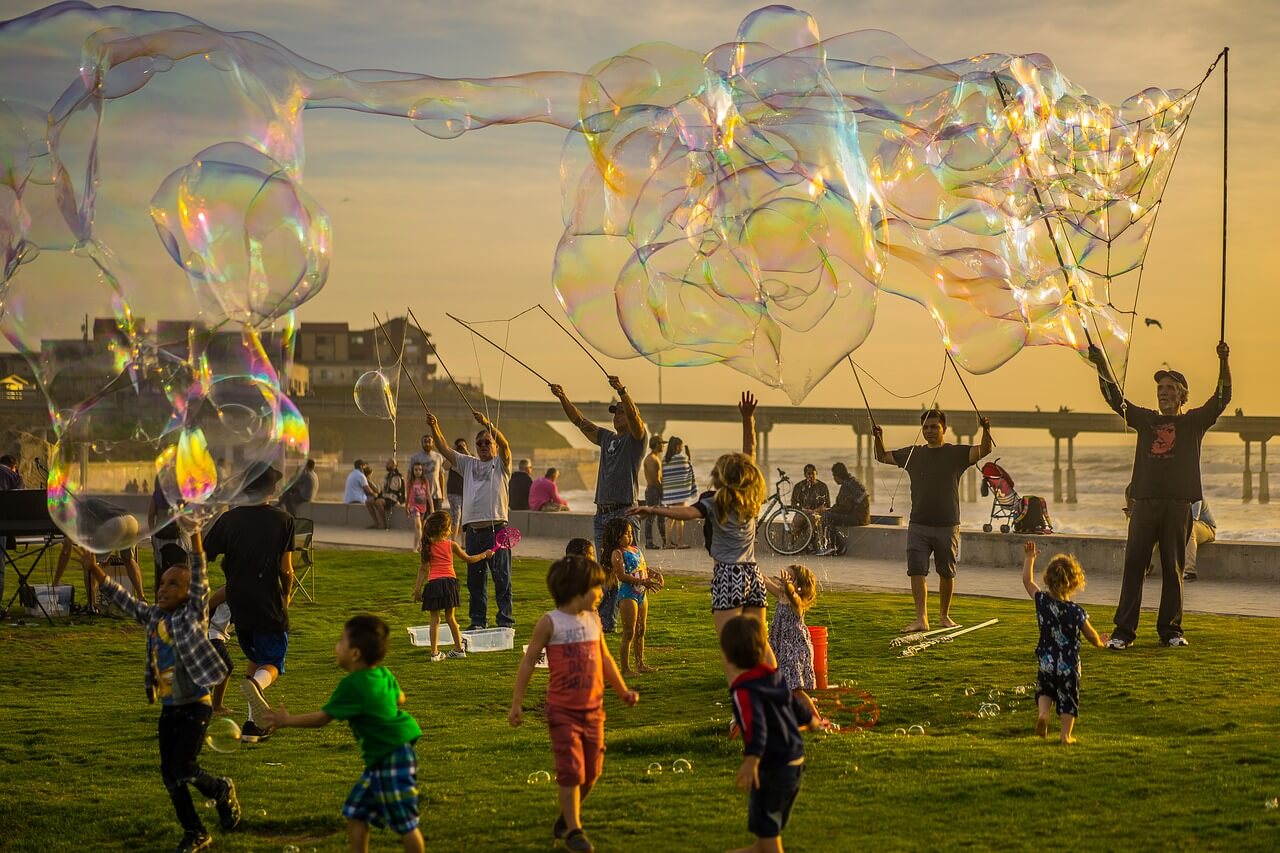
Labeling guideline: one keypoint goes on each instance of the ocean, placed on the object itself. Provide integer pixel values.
(1101, 475)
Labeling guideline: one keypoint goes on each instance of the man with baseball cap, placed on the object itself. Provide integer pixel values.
(1166, 482)
(622, 450)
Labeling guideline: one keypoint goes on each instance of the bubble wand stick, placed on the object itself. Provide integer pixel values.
(498, 348)
(408, 373)
(861, 390)
(972, 402)
(590, 355)
(434, 352)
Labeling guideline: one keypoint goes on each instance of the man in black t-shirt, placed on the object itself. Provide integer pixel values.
(518, 488)
(255, 542)
(934, 528)
(1166, 481)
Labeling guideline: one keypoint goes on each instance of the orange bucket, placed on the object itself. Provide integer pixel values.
(819, 637)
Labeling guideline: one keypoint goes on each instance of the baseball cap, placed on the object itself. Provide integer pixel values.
(613, 408)
(1172, 374)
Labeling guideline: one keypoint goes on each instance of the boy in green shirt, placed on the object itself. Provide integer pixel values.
(369, 699)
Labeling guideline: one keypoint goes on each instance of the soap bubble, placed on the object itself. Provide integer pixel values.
(969, 691)
(262, 812)
(538, 776)
(1273, 803)
(223, 735)
(374, 397)
(209, 804)
(1020, 690)
(916, 730)
(291, 848)
(682, 765)
(899, 732)
(654, 769)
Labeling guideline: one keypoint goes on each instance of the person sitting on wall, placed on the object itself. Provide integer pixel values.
(544, 493)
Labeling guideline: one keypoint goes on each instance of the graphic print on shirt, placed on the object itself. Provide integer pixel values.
(1166, 437)
(164, 658)
(573, 656)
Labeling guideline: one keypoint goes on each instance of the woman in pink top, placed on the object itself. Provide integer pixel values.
(544, 494)
(441, 594)
(579, 664)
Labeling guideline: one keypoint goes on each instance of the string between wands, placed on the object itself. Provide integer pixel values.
(399, 356)
(479, 335)
(861, 390)
(573, 338)
(972, 402)
(436, 353)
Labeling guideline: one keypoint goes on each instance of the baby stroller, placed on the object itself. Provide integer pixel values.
(1005, 502)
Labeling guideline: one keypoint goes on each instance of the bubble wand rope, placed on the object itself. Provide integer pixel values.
(972, 402)
(581, 346)
(1222, 326)
(861, 390)
(434, 352)
(410, 373)
(498, 348)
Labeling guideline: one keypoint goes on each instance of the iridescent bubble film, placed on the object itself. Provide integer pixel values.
(746, 204)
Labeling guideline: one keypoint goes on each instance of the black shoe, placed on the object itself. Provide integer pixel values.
(578, 842)
(228, 807)
(475, 627)
(560, 828)
(251, 733)
(193, 841)
(1188, 577)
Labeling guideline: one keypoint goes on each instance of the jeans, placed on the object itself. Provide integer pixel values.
(182, 729)
(653, 497)
(1154, 522)
(478, 541)
(609, 602)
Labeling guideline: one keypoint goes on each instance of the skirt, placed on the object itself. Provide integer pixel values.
(441, 594)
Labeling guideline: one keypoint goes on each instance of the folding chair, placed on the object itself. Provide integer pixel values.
(304, 560)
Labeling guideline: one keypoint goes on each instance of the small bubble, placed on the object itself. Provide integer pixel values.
(654, 769)
(682, 765)
(262, 812)
(538, 776)
(208, 804)
(916, 730)
(1273, 803)
(899, 732)
(291, 848)
(1020, 690)
(969, 691)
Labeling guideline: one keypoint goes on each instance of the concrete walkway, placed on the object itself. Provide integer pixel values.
(1244, 598)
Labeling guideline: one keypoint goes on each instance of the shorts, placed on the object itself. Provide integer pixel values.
(264, 647)
(1063, 689)
(735, 585)
(942, 542)
(769, 806)
(220, 646)
(577, 740)
(387, 793)
(441, 594)
(631, 592)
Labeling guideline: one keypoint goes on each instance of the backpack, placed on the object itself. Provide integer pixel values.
(1033, 516)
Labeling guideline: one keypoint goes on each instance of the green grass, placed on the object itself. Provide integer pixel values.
(1178, 749)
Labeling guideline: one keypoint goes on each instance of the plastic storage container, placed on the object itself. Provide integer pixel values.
(420, 635)
(56, 600)
(489, 639)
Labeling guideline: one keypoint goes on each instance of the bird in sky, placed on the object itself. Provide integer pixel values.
(1152, 321)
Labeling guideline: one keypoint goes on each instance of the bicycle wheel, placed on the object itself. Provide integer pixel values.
(788, 531)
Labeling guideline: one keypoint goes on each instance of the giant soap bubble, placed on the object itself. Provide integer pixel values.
(747, 204)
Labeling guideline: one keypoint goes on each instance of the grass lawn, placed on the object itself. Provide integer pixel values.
(1178, 749)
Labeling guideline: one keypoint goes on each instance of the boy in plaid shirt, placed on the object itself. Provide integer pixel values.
(370, 700)
(182, 668)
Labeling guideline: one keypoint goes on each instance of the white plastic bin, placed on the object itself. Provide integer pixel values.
(420, 635)
(542, 661)
(489, 639)
(56, 600)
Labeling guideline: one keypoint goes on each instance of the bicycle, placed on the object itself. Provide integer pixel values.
(787, 530)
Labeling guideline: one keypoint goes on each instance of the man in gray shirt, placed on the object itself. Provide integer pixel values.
(621, 452)
(432, 467)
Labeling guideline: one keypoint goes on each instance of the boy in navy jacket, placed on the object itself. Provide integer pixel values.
(770, 719)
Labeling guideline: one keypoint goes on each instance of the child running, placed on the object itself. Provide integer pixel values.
(369, 699)
(632, 573)
(737, 584)
(1062, 621)
(418, 501)
(580, 664)
(770, 717)
(441, 594)
(796, 590)
(182, 667)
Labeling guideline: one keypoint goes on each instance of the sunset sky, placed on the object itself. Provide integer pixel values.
(470, 225)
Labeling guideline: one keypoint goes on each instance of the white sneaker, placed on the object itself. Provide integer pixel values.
(1117, 644)
(437, 657)
(455, 654)
(1177, 642)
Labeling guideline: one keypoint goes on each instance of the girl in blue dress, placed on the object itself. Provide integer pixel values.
(1061, 621)
(626, 561)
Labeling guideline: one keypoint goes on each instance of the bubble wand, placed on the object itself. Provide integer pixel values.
(382, 329)
(590, 355)
(479, 335)
(972, 402)
(436, 353)
(861, 390)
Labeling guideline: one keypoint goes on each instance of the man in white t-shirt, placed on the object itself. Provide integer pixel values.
(433, 467)
(358, 491)
(486, 479)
